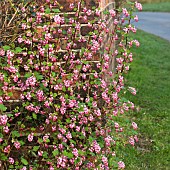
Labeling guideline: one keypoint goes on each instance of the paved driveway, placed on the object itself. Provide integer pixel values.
(157, 23)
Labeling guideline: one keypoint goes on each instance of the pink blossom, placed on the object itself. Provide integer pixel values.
(75, 152)
(96, 147)
(67, 83)
(57, 19)
(45, 138)
(136, 18)
(125, 12)
(24, 26)
(134, 125)
(40, 153)
(132, 141)
(3, 119)
(51, 168)
(2, 52)
(1, 140)
(121, 165)
(137, 43)
(105, 160)
(132, 90)
(40, 95)
(7, 149)
(47, 104)
(11, 160)
(31, 81)
(97, 12)
(6, 129)
(112, 12)
(30, 137)
(17, 145)
(71, 6)
(24, 168)
(116, 125)
(68, 135)
(95, 46)
(138, 6)
(89, 12)
(136, 138)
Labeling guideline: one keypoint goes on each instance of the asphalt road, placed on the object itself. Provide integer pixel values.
(157, 23)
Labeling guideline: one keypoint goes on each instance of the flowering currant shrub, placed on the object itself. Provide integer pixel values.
(62, 103)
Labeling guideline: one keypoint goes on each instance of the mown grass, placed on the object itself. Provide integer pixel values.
(157, 7)
(150, 73)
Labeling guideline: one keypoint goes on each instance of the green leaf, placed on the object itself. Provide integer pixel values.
(91, 139)
(34, 116)
(24, 161)
(64, 32)
(6, 47)
(40, 140)
(18, 49)
(27, 75)
(56, 10)
(68, 120)
(35, 148)
(15, 134)
(47, 10)
(55, 152)
(45, 154)
(11, 166)
(33, 129)
(3, 156)
(1, 135)
(3, 108)
(68, 154)
(80, 152)
(72, 141)
(38, 76)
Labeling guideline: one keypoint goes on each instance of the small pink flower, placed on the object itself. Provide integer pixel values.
(45, 138)
(6, 129)
(7, 149)
(132, 141)
(68, 136)
(105, 161)
(136, 18)
(132, 90)
(75, 152)
(136, 138)
(71, 6)
(11, 160)
(24, 26)
(30, 137)
(57, 19)
(134, 125)
(17, 145)
(121, 165)
(112, 12)
(24, 168)
(1, 140)
(96, 147)
(3, 119)
(2, 52)
(138, 6)
(40, 153)
(116, 125)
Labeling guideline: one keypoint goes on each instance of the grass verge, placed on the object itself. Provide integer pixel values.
(157, 7)
(150, 73)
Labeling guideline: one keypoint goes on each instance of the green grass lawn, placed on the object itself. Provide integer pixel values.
(150, 74)
(157, 7)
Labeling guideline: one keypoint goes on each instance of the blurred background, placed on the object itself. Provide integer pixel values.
(152, 1)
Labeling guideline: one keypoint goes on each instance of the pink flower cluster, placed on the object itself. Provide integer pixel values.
(70, 97)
